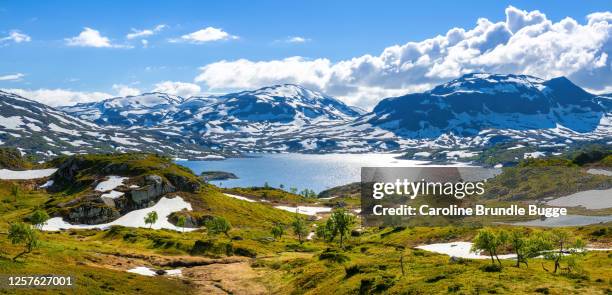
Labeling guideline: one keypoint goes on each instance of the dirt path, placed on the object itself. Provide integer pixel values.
(230, 275)
(232, 278)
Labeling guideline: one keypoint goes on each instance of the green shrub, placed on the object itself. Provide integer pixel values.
(240, 251)
(333, 256)
(491, 268)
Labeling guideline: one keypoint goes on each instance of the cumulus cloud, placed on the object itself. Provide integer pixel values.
(297, 39)
(16, 36)
(208, 34)
(124, 90)
(144, 33)
(59, 97)
(178, 88)
(91, 38)
(524, 43)
(12, 77)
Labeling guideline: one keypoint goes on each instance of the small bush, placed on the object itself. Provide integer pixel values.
(130, 237)
(375, 285)
(491, 268)
(333, 256)
(358, 269)
(435, 279)
(245, 252)
(201, 247)
(600, 232)
(454, 288)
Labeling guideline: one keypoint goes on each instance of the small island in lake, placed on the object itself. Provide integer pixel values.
(217, 175)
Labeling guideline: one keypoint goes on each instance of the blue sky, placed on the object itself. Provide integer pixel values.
(45, 54)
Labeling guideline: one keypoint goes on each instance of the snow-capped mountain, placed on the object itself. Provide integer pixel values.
(43, 132)
(470, 112)
(147, 109)
(249, 120)
(477, 102)
(275, 104)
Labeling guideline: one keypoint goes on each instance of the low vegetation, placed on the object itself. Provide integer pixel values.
(11, 158)
(271, 194)
(274, 246)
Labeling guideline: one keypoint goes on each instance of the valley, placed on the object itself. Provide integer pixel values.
(248, 256)
(508, 118)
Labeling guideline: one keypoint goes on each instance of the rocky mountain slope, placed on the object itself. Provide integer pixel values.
(476, 102)
(463, 115)
(41, 131)
(146, 109)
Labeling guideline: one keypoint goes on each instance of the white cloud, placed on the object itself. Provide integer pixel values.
(208, 34)
(145, 43)
(124, 90)
(17, 37)
(144, 33)
(297, 39)
(178, 88)
(12, 77)
(59, 97)
(524, 43)
(91, 38)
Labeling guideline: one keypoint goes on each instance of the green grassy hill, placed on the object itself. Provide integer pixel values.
(250, 259)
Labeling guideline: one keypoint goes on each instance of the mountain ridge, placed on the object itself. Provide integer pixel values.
(473, 111)
(43, 132)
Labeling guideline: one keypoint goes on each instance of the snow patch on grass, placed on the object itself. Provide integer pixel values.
(26, 174)
(135, 218)
(111, 183)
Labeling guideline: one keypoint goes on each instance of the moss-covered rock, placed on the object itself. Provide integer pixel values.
(78, 171)
(90, 213)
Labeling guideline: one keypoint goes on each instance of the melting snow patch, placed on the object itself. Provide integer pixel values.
(145, 271)
(305, 210)
(111, 183)
(460, 154)
(459, 249)
(240, 198)
(212, 157)
(47, 184)
(121, 140)
(135, 218)
(112, 195)
(142, 270)
(533, 155)
(591, 199)
(599, 172)
(26, 174)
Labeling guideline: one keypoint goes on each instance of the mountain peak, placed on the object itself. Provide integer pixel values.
(490, 84)
(287, 90)
(480, 101)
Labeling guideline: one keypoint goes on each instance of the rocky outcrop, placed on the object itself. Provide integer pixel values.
(91, 213)
(183, 183)
(94, 209)
(190, 221)
(151, 192)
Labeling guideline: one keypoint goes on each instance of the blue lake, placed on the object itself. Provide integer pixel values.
(311, 171)
(316, 172)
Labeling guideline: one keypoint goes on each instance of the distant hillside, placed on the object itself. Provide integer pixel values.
(11, 159)
(43, 132)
